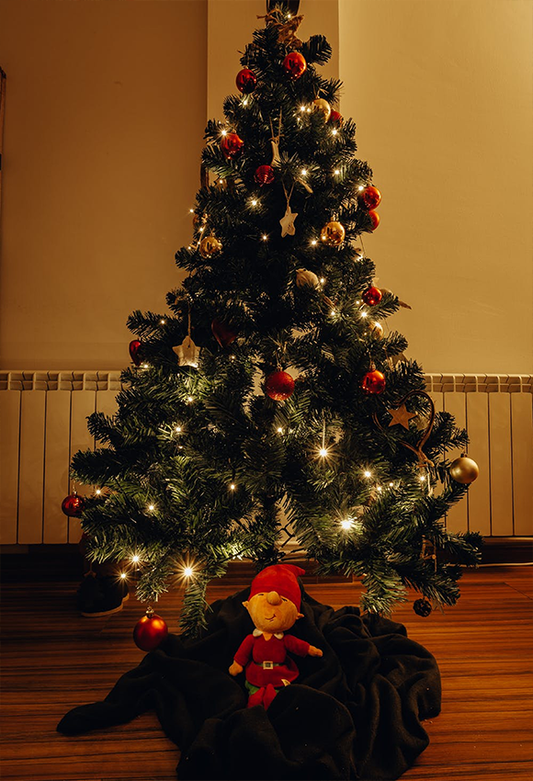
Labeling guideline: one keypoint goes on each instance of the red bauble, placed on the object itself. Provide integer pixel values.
(149, 631)
(374, 216)
(373, 382)
(72, 506)
(231, 144)
(372, 296)
(371, 197)
(246, 81)
(279, 385)
(223, 333)
(294, 65)
(135, 352)
(336, 116)
(264, 174)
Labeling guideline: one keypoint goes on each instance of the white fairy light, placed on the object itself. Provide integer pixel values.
(151, 507)
(146, 365)
(361, 188)
(98, 491)
(323, 452)
(346, 524)
(322, 281)
(162, 322)
(334, 132)
(232, 487)
(188, 572)
(254, 202)
(189, 399)
(314, 242)
(279, 430)
(302, 108)
(123, 576)
(364, 314)
(379, 489)
(191, 211)
(337, 172)
(264, 237)
(223, 132)
(178, 429)
(135, 559)
(304, 171)
(367, 473)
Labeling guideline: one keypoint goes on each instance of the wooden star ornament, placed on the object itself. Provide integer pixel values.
(401, 417)
(287, 222)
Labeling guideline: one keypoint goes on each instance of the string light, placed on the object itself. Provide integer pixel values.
(123, 576)
(188, 572)
(364, 314)
(223, 132)
(314, 242)
(189, 399)
(334, 132)
(151, 507)
(323, 452)
(232, 487)
(98, 491)
(264, 237)
(162, 322)
(146, 365)
(135, 559)
(191, 211)
(367, 473)
(245, 102)
(361, 188)
(279, 430)
(304, 171)
(337, 172)
(178, 429)
(254, 202)
(322, 281)
(346, 524)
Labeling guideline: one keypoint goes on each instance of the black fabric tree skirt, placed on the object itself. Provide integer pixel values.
(355, 713)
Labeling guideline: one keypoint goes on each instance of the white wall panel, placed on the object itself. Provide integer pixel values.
(500, 464)
(522, 455)
(477, 409)
(9, 465)
(82, 405)
(455, 404)
(56, 471)
(31, 475)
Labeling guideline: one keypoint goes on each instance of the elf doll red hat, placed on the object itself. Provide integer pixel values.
(280, 578)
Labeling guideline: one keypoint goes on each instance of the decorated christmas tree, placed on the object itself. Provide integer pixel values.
(272, 414)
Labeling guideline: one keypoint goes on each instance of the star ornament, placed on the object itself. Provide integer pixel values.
(287, 223)
(400, 416)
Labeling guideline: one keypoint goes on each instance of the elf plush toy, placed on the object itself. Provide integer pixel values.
(274, 606)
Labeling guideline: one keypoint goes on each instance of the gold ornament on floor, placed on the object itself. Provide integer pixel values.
(209, 246)
(322, 105)
(333, 234)
(464, 470)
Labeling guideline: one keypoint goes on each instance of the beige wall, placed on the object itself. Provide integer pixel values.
(105, 112)
(442, 94)
(104, 123)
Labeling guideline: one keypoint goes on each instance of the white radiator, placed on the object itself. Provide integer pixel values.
(43, 423)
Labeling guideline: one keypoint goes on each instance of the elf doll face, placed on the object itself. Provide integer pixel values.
(272, 612)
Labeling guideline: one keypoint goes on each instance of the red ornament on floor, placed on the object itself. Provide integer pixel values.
(264, 174)
(373, 382)
(231, 145)
(246, 81)
(72, 506)
(294, 65)
(372, 296)
(279, 385)
(374, 216)
(135, 349)
(371, 197)
(336, 117)
(149, 631)
(223, 333)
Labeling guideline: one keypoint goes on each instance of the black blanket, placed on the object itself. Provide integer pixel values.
(354, 713)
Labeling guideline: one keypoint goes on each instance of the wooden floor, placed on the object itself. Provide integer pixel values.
(53, 659)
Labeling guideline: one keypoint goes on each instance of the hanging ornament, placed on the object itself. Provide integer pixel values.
(188, 353)
(305, 278)
(287, 221)
(287, 28)
(294, 65)
(422, 607)
(209, 246)
(464, 470)
(149, 631)
(336, 117)
(264, 174)
(322, 105)
(279, 385)
(135, 350)
(374, 217)
(72, 505)
(246, 81)
(371, 197)
(376, 329)
(223, 333)
(372, 296)
(373, 382)
(400, 417)
(231, 145)
(333, 234)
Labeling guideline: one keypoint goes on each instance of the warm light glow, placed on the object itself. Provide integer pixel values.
(302, 108)
(245, 102)
(98, 491)
(178, 429)
(364, 314)
(123, 576)
(279, 430)
(314, 242)
(334, 132)
(151, 507)
(361, 187)
(333, 312)
(367, 473)
(322, 281)
(223, 132)
(379, 489)
(422, 478)
(191, 211)
(135, 559)
(304, 171)
(146, 365)
(232, 487)
(188, 572)
(264, 237)
(162, 322)
(201, 229)
(323, 452)
(232, 357)
(337, 172)
(189, 399)
(347, 524)
(391, 485)
(254, 202)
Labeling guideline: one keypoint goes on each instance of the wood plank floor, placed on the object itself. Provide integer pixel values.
(54, 659)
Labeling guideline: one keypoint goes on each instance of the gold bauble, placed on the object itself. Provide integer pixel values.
(322, 105)
(304, 278)
(376, 329)
(333, 234)
(464, 470)
(209, 246)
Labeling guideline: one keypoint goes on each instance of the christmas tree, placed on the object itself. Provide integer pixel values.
(272, 414)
